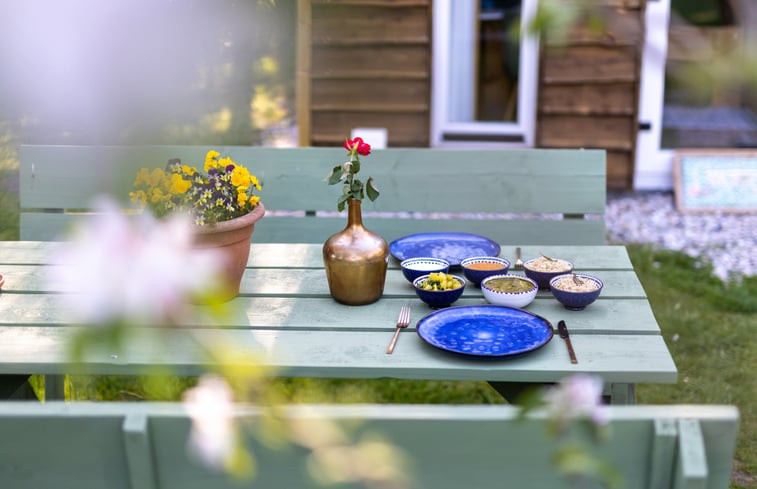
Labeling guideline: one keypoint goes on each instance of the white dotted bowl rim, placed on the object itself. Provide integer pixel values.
(485, 259)
(438, 261)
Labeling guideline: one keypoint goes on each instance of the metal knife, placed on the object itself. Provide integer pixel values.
(563, 329)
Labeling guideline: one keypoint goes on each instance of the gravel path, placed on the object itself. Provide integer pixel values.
(728, 241)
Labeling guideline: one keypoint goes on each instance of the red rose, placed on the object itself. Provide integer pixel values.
(357, 145)
(363, 148)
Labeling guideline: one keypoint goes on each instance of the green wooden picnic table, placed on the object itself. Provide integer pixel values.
(286, 319)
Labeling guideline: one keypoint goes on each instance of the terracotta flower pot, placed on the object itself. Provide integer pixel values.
(232, 239)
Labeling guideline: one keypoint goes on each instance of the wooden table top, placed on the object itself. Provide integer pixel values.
(285, 318)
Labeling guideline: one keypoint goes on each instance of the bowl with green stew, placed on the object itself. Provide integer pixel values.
(509, 290)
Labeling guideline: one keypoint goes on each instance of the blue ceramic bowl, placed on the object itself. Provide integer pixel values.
(575, 301)
(476, 276)
(543, 278)
(413, 268)
(438, 298)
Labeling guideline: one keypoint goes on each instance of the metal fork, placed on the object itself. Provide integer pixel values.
(518, 261)
(402, 322)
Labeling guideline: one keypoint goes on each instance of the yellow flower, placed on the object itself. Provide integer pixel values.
(156, 177)
(157, 195)
(138, 197)
(240, 177)
(211, 160)
(143, 176)
(254, 199)
(225, 161)
(254, 182)
(188, 170)
(178, 184)
(241, 199)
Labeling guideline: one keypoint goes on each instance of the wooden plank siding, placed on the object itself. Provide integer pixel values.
(370, 66)
(588, 89)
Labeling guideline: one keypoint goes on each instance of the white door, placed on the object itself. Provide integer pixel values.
(654, 165)
(685, 101)
(483, 84)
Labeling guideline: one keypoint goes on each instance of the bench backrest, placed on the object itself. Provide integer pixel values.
(511, 189)
(142, 446)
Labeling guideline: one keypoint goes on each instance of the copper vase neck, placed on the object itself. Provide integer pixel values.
(354, 215)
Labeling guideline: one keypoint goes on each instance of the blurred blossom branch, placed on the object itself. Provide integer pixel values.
(578, 422)
(130, 279)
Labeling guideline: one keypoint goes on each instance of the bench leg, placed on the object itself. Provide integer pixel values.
(16, 387)
(622, 394)
(55, 387)
(512, 391)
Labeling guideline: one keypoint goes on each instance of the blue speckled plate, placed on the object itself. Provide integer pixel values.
(485, 330)
(453, 247)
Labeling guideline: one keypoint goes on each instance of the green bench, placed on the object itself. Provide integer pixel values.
(533, 196)
(142, 446)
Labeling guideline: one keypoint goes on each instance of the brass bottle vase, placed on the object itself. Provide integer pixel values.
(355, 260)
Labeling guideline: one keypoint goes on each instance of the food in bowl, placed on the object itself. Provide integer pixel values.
(576, 291)
(510, 284)
(413, 268)
(509, 290)
(544, 269)
(548, 265)
(439, 289)
(440, 281)
(477, 268)
(574, 283)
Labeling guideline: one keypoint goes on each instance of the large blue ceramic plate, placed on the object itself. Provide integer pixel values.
(453, 247)
(485, 330)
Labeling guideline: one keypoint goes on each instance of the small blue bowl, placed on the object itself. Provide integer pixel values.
(413, 268)
(438, 298)
(543, 278)
(575, 301)
(476, 276)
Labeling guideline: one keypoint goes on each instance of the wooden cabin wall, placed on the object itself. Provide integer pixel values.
(589, 88)
(364, 63)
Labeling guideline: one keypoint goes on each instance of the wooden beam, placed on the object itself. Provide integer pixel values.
(303, 67)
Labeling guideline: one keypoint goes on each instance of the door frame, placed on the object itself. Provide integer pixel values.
(445, 133)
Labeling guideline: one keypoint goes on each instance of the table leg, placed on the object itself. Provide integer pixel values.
(512, 391)
(55, 387)
(622, 393)
(16, 387)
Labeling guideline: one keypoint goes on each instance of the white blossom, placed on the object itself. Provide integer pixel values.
(209, 406)
(134, 269)
(577, 396)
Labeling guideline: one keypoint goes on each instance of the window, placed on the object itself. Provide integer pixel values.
(484, 78)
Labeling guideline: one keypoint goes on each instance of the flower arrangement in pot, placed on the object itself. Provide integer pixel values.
(355, 258)
(221, 201)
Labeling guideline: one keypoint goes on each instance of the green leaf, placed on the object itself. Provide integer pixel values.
(355, 164)
(341, 201)
(335, 176)
(370, 189)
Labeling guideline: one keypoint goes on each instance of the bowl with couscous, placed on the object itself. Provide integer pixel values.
(543, 269)
(439, 289)
(575, 291)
